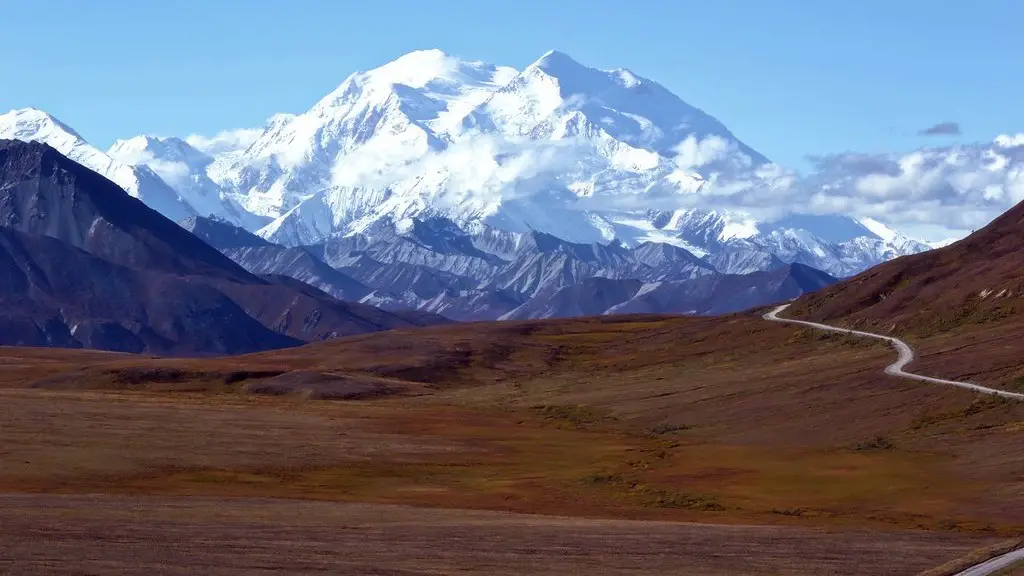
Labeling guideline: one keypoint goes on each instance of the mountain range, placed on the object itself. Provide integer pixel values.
(427, 190)
(586, 155)
(435, 267)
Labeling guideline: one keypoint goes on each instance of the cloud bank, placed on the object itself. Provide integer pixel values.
(931, 193)
(942, 191)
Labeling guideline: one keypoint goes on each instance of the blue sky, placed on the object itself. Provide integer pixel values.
(789, 77)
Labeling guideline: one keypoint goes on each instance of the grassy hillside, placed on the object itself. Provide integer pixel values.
(721, 420)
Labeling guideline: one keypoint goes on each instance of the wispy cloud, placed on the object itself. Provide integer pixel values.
(224, 142)
(941, 129)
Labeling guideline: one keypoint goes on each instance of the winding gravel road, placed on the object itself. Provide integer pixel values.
(994, 565)
(906, 355)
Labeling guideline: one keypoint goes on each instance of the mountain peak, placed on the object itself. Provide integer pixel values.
(31, 114)
(422, 56)
(161, 147)
(31, 123)
(420, 68)
(555, 62)
(417, 68)
(555, 55)
(430, 86)
(569, 150)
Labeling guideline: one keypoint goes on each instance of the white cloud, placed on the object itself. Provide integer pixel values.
(941, 192)
(225, 141)
(480, 169)
(177, 174)
(962, 187)
(692, 154)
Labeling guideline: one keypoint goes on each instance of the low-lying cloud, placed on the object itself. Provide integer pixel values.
(930, 193)
(224, 142)
(956, 188)
(479, 168)
(175, 173)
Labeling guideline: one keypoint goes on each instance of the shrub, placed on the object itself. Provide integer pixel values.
(788, 511)
(876, 443)
(667, 428)
(576, 416)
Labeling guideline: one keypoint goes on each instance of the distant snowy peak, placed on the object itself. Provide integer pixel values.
(26, 124)
(942, 243)
(140, 149)
(431, 87)
(374, 123)
(183, 168)
(900, 243)
(881, 230)
(629, 108)
(30, 124)
(427, 90)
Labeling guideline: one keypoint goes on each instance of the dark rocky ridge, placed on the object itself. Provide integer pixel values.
(44, 193)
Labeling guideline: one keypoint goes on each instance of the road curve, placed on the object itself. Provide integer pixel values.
(994, 565)
(906, 355)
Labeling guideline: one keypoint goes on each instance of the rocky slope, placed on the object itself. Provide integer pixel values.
(434, 267)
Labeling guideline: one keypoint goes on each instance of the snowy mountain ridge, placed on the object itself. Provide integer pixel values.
(586, 155)
(30, 124)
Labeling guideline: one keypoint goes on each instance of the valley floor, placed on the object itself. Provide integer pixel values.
(145, 535)
(613, 435)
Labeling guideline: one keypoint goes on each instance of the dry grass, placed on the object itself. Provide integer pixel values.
(132, 535)
(731, 421)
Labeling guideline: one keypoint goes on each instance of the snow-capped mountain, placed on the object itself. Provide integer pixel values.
(29, 124)
(557, 147)
(633, 117)
(586, 155)
(373, 123)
